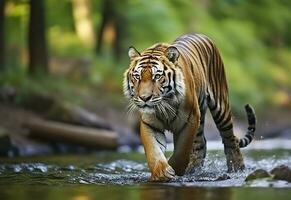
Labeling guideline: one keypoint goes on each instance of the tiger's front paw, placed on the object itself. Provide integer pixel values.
(234, 160)
(162, 171)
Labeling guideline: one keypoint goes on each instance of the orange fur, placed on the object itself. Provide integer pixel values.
(171, 86)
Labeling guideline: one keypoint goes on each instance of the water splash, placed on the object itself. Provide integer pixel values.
(129, 172)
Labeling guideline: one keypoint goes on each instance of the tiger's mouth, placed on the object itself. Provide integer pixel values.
(149, 106)
(145, 106)
(162, 107)
(147, 109)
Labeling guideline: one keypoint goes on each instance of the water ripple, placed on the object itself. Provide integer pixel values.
(124, 171)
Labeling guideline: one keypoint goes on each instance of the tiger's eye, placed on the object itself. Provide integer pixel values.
(136, 76)
(157, 76)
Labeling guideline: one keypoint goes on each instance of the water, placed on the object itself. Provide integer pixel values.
(125, 175)
(143, 192)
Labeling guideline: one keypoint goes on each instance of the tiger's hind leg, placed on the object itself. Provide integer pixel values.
(198, 153)
(221, 114)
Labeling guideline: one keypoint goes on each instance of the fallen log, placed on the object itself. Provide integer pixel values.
(84, 117)
(73, 114)
(62, 132)
(56, 110)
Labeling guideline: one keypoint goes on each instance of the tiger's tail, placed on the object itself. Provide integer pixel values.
(247, 139)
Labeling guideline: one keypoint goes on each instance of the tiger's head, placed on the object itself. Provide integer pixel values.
(154, 82)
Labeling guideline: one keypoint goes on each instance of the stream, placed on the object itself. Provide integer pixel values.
(125, 175)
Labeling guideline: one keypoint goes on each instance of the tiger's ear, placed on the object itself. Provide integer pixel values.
(133, 53)
(172, 54)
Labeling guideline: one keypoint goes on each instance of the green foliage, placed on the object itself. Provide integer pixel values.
(56, 87)
(155, 23)
(254, 38)
(66, 43)
(247, 33)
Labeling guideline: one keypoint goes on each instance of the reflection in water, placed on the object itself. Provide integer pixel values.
(143, 192)
(81, 197)
(173, 193)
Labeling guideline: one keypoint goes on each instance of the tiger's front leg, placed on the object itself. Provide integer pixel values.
(154, 143)
(183, 143)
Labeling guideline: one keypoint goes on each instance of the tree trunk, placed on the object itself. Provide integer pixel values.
(112, 28)
(38, 57)
(107, 15)
(120, 33)
(83, 22)
(2, 35)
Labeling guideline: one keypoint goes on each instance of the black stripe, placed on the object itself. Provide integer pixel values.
(242, 143)
(152, 127)
(250, 115)
(192, 67)
(198, 49)
(174, 79)
(216, 116)
(148, 62)
(226, 121)
(220, 119)
(216, 90)
(148, 57)
(205, 41)
(200, 101)
(213, 108)
(227, 128)
(249, 137)
(128, 87)
(199, 133)
(169, 77)
(189, 52)
(202, 120)
(199, 148)
(160, 143)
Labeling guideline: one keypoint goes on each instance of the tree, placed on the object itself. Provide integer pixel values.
(2, 34)
(113, 27)
(38, 56)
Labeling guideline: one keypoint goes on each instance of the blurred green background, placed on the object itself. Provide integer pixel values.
(75, 50)
(87, 43)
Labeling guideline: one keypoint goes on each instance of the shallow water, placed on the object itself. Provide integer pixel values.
(143, 192)
(126, 175)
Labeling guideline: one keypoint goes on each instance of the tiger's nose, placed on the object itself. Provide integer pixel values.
(145, 98)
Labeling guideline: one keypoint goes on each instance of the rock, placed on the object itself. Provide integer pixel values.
(7, 94)
(282, 172)
(223, 177)
(258, 174)
(6, 147)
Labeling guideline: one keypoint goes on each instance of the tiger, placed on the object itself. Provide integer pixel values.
(171, 86)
